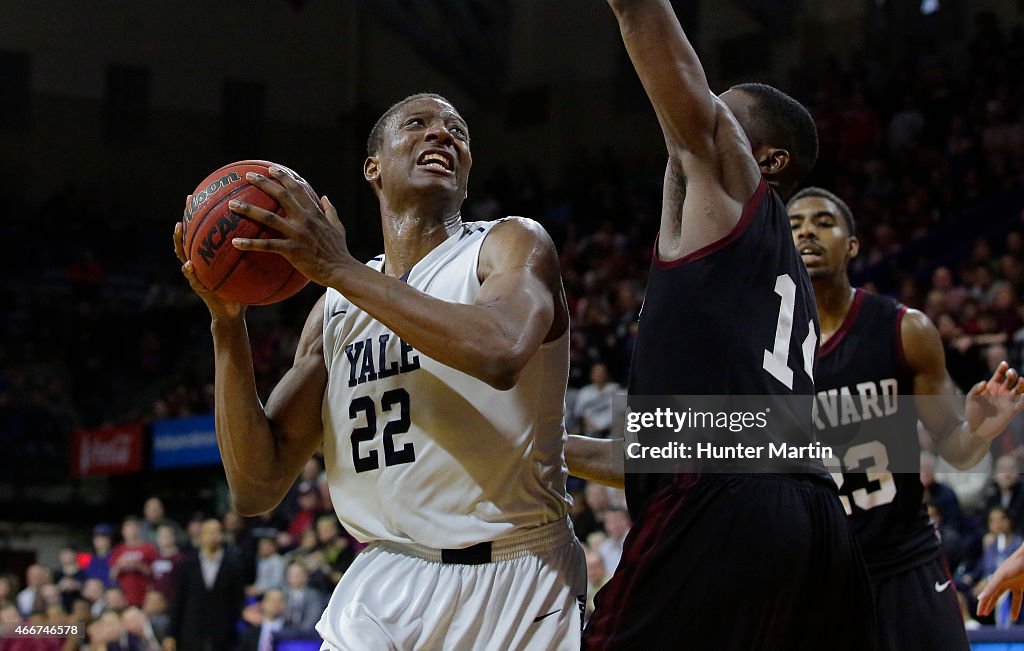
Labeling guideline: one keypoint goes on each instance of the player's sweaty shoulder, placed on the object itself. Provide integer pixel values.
(517, 243)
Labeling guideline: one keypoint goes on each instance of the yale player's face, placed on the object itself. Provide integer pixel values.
(427, 147)
(819, 233)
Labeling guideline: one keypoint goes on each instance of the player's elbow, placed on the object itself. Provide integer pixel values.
(501, 375)
(250, 508)
(502, 368)
(253, 502)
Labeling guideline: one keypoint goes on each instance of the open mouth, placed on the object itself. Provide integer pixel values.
(436, 160)
(811, 254)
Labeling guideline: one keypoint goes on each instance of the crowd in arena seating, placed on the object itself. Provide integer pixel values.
(927, 149)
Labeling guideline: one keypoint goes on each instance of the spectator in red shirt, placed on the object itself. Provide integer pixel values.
(165, 567)
(130, 564)
(309, 508)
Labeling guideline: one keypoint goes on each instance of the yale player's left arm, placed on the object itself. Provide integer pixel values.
(963, 435)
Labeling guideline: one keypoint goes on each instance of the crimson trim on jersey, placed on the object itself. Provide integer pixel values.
(851, 318)
(745, 218)
(898, 338)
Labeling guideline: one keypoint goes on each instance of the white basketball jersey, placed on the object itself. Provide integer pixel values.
(417, 451)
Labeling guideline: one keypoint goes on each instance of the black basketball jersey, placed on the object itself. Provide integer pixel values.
(735, 318)
(865, 356)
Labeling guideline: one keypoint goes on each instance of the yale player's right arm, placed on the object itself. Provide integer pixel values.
(262, 448)
(711, 171)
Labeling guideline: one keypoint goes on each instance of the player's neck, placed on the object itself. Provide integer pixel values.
(834, 297)
(409, 235)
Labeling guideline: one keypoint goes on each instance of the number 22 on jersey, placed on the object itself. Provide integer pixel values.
(366, 457)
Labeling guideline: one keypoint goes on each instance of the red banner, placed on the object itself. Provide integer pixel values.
(107, 450)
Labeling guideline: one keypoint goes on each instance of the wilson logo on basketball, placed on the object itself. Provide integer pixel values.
(200, 197)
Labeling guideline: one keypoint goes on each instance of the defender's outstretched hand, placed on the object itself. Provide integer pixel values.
(1009, 576)
(218, 307)
(312, 236)
(993, 403)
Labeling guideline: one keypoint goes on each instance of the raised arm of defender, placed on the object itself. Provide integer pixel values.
(711, 171)
(963, 435)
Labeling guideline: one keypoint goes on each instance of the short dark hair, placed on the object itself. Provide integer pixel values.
(822, 193)
(376, 138)
(781, 121)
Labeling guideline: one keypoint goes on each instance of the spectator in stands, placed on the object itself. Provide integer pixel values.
(938, 494)
(155, 607)
(81, 611)
(268, 525)
(336, 553)
(234, 529)
(1005, 490)
(169, 558)
(69, 577)
(583, 521)
(108, 634)
(616, 526)
(154, 516)
(7, 591)
(9, 614)
(303, 603)
(208, 595)
(31, 598)
(999, 542)
(952, 543)
(309, 509)
(114, 600)
(306, 548)
(597, 576)
(131, 562)
(92, 591)
(261, 636)
(135, 623)
(269, 568)
(99, 564)
(593, 408)
(193, 530)
(311, 475)
(50, 595)
(598, 501)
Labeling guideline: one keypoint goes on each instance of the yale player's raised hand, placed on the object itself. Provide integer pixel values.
(312, 237)
(218, 307)
(992, 404)
(1009, 576)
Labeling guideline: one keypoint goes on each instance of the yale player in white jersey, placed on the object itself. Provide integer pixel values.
(434, 377)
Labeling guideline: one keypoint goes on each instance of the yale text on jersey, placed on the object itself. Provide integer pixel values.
(369, 359)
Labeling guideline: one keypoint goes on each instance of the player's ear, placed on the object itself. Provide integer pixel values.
(853, 247)
(772, 161)
(371, 170)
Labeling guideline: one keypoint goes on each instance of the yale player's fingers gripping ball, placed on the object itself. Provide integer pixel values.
(250, 277)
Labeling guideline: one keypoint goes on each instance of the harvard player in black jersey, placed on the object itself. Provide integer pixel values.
(713, 561)
(873, 345)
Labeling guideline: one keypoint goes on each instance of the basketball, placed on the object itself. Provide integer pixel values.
(250, 277)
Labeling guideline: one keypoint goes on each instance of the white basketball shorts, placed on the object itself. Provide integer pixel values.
(405, 597)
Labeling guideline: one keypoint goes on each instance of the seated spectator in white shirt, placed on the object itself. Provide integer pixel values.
(594, 403)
